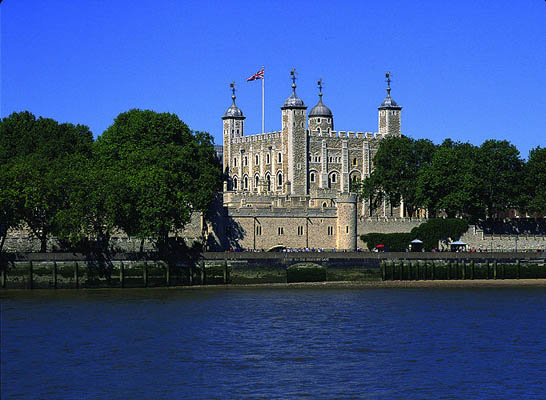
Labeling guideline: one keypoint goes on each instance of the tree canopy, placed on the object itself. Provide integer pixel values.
(162, 172)
(36, 155)
(397, 164)
(533, 193)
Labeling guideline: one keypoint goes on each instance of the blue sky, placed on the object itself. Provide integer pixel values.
(468, 70)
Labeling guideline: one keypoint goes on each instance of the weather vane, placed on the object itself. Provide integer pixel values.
(232, 86)
(388, 76)
(293, 74)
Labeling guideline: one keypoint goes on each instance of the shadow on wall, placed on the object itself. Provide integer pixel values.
(226, 233)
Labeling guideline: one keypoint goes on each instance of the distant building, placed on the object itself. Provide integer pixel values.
(293, 188)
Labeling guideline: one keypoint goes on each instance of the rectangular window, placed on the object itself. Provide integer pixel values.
(279, 158)
(280, 230)
(246, 161)
(259, 230)
(330, 230)
(235, 162)
(257, 160)
(300, 230)
(347, 229)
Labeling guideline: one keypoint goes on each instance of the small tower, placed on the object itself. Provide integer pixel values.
(233, 127)
(346, 221)
(320, 116)
(389, 113)
(294, 136)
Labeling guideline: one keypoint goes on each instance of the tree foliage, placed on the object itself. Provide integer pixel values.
(450, 182)
(533, 193)
(162, 172)
(36, 155)
(397, 164)
(500, 176)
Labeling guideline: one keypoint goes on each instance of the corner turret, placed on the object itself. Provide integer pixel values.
(294, 136)
(389, 113)
(233, 127)
(321, 119)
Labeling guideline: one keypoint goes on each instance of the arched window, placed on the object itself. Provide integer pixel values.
(268, 182)
(279, 179)
(355, 161)
(318, 129)
(234, 183)
(256, 181)
(332, 179)
(312, 177)
(246, 183)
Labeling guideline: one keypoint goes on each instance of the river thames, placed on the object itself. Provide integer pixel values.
(265, 343)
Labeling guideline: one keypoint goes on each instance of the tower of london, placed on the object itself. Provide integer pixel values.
(294, 188)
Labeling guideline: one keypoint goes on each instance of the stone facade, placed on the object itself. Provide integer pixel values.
(292, 188)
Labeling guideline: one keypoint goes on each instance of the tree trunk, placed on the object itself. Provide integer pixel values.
(43, 244)
(2, 240)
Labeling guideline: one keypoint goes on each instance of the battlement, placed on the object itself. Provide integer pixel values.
(260, 137)
(346, 134)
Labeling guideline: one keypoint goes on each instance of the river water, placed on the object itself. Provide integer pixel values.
(434, 343)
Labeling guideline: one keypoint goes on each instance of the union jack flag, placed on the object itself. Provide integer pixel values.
(257, 75)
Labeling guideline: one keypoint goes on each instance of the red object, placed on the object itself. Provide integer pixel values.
(257, 75)
(380, 245)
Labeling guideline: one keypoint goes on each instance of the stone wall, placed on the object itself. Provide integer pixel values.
(476, 239)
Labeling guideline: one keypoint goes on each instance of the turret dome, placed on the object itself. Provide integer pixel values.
(389, 103)
(293, 101)
(320, 110)
(233, 111)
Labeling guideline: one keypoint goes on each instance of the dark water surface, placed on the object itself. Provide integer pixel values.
(274, 343)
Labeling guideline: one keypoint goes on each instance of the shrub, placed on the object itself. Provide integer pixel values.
(391, 241)
(429, 232)
(434, 230)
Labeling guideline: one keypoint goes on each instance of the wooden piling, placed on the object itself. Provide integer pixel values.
(495, 270)
(76, 275)
(145, 273)
(121, 274)
(54, 275)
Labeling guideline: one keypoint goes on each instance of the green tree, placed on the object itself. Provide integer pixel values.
(397, 164)
(449, 183)
(500, 175)
(161, 170)
(36, 155)
(533, 193)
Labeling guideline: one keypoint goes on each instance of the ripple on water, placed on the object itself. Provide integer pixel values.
(304, 343)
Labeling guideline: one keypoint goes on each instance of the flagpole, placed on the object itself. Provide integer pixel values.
(263, 118)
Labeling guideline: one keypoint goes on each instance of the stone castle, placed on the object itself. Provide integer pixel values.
(294, 188)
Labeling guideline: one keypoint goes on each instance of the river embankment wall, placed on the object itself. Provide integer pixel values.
(135, 270)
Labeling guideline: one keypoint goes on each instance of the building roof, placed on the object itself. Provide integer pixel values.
(293, 101)
(233, 111)
(320, 110)
(389, 103)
